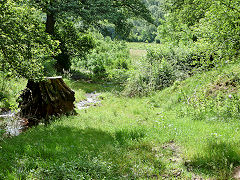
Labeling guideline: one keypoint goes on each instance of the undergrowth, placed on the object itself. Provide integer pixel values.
(185, 131)
(10, 89)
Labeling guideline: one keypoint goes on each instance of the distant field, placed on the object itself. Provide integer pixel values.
(137, 53)
(138, 50)
(141, 46)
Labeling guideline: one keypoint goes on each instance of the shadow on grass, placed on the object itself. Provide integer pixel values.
(219, 160)
(89, 87)
(85, 81)
(125, 135)
(61, 152)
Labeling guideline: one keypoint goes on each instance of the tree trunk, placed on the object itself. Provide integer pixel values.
(50, 23)
(63, 59)
(40, 100)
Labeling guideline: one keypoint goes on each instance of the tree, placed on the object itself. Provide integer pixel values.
(143, 31)
(24, 45)
(221, 28)
(80, 15)
(211, 26)
(179, 18)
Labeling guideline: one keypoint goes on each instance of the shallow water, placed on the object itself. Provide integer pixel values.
(91, 100)
(11, 124)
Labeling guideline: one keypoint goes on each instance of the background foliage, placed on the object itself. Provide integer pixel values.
(24, 44)
(194, 36)
(110, 59)
(143, 31)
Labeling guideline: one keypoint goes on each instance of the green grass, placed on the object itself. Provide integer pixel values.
(138, 50)
(10, 89)
(152, 137)
(141, 45)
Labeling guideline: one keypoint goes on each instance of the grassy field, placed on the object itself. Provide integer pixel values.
(166, 135)
(141, 45)
(135, 54)
(139, 50)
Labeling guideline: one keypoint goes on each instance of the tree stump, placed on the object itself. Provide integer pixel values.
(50, 97)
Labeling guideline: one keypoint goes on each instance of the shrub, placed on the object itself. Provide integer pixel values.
(9, 90)
(150, 74)
(218, 101)
(167, 63)
(110, 59)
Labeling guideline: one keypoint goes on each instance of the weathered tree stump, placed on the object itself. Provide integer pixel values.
(46, 98)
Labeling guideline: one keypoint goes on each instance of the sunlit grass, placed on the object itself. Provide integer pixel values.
(141, 45)
(135, 54)
(10, 89)
(138, 50)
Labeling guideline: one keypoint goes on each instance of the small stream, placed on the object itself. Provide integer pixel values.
(91, 100)
(13, 125)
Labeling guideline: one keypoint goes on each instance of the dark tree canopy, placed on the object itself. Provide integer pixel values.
(143, 31)
(82, 14)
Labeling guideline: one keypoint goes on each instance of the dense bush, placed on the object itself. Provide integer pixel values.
(10, 89)
(109, 59)
(211, 28)
(151, 73)
(167, 63)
